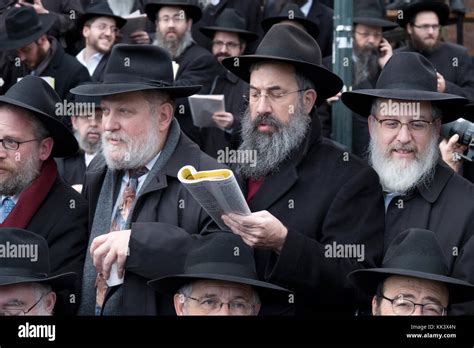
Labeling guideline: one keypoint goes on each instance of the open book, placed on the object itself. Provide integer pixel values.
(136, 21)
(216, 191)
(203, 106)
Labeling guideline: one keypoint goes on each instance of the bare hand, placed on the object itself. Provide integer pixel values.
(334, 99)
(448, 150)
(258, 230)
(441, 83)
(223, 119)
(386, 52)
(37, 5)
(109, 248)
(140, 37)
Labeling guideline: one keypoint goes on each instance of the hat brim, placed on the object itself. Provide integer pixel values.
(327, 84)
(469, 112)
(311, 27)
(193, 11)
(120, 22)
(65, 281)
(441, 9)
(104, 89)
(368, 280)
(8, 44)
(360, 101)
(248, 36)
(65, 144)
(376, 22)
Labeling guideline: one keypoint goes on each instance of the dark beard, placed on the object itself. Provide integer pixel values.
(366, 65)
(272, 149)
(419, 46)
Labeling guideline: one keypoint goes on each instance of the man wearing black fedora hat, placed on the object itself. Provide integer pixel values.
(39, 54)
(32, 194)
(419, 188)
(220, 278)
(132, 187)
(195, 65)
(304, 196)
(99, 27)
(423, 20)
(413, 279)
(27, 284)
(229, 39)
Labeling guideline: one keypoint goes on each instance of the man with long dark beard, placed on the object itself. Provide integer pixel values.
(423, 21)
(405, 113)
(307, 196)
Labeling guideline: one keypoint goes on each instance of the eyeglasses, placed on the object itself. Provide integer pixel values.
(426, 27)
(402, 306)
(18, 311)
(177, 18)
(211, 305)
(415, 126)
(274, 96)
(10, 144)
(230, 45)
(366, 34)
(105, 27)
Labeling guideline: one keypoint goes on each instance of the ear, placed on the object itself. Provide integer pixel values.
(437, 124)
(74, 122)
(179, 304)
(165, 116)
(189, 24)
(257, 308)
(374, 305)
(85, 31)
(50, 302)
(309, 99)
(370, 123)
(409, 28)
(46, 147)
(243, 46)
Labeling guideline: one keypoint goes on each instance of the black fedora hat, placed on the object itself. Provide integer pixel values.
(193, 11)
(410, 10)
(36, 95)
(133, 68)
(31, 268)
(23, 26)
(100, 9)
(369, 12)
(406, 76)
(295, 47)
(414, 253)
(232, 21)
(292, 12)
(214, 257)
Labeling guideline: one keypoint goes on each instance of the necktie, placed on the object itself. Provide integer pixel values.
(8, 206)
(119, 222)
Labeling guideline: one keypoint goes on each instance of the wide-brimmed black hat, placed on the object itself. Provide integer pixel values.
(369, 12)
(100, 9)
(36, 95)
(232, 21)
(295, 47)
(406, 76)
(23, 26)
(409, 11)
(35, 266)
(221, 256)
(414, 253)
(133, 68)
(192, 11)
(292, 12)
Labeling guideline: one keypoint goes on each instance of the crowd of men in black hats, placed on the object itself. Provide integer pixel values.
(93, 132)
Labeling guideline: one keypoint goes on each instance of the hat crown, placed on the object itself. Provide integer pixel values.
(231, 18)
(292, 11)
(368, 9)
(416, 250)
(101, 7)
(408, 70)
(21, 22)
(221, 254)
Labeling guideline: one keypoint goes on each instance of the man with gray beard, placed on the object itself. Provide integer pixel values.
(405, 113)
(194, 65)
(305, 197)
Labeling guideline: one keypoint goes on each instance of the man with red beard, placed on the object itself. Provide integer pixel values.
(99, 27)
(423, 20)
(138, 206)
(405, 113)
(306, 195)
(33, 196)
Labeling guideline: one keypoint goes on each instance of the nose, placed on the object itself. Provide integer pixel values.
(110, 123)
(404, 135)
(224, 310)
(263, 105)
(418, 311)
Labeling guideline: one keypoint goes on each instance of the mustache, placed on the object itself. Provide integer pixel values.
(268, 119)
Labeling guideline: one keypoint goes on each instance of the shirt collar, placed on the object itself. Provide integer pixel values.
(306, 7)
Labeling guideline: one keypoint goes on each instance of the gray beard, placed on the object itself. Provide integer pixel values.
(402, 176)
(22, 177)
(87, 146)
(366, 65)
(174, 47)
(272, 149)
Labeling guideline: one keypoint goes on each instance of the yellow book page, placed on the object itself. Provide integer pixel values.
(210, 174)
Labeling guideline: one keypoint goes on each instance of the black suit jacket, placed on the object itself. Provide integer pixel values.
(323, 17)
(72, 169)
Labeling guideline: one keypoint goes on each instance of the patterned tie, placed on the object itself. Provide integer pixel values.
(8, 206)
(119, 223)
